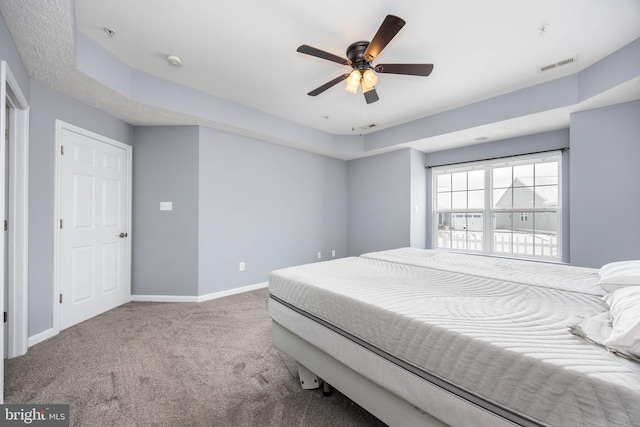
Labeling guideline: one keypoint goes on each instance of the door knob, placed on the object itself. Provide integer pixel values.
(122, 235)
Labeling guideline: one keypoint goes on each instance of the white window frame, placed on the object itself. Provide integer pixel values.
(489, 210)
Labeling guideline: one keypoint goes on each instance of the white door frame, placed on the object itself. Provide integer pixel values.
(18, 247)
(60, 125)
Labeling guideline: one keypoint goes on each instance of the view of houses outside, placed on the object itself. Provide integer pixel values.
(523, 213)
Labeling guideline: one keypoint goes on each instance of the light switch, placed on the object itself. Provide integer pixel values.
(166, 206)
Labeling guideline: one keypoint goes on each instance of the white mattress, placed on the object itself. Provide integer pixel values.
(505, 342)
(550, 275)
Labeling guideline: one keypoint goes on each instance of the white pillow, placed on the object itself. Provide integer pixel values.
(619, 274)
(624, 307)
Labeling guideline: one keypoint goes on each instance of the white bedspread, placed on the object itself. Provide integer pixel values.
(503, 340)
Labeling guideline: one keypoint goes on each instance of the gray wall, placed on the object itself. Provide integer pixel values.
(605, 179)
(508, 147)
(9, 53)
(418, 208)
(266, 205)
(379, 200)
(165, 243)
(235, 199)
(47, 105)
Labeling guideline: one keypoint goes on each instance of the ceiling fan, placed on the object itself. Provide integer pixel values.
(360, 56)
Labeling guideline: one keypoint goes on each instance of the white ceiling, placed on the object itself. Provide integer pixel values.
(245, 51)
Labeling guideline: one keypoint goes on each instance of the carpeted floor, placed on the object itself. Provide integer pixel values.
(176, 364)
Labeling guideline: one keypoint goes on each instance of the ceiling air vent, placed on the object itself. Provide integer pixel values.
(567, 61)
(372, 125)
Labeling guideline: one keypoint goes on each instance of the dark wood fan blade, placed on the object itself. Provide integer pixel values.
(409, 69)
(387, 31)
(328, 85)
(371, 96)
(308, 50)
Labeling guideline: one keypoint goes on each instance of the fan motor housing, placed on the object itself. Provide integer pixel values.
(355, 53)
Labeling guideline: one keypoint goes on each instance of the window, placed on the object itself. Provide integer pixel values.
(511, 207)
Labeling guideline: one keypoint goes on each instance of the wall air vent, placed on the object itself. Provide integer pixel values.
(567, 61)
(369, 126)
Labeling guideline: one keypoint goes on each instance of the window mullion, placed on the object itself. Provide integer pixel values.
(488, 211)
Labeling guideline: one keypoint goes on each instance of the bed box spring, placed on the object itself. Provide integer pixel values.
(500, 344)
(394, 395)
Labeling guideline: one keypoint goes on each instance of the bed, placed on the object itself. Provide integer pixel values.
(433, 338)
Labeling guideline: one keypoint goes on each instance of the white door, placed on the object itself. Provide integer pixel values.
(94, 197)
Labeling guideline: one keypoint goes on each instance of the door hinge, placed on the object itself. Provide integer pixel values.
(5, 317)
(6, 225)
(60, 298)
(60, 223)
(62, 150)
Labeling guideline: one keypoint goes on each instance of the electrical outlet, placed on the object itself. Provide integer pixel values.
(241, 266)
(333, 252)
(166, 206)
(319, 255)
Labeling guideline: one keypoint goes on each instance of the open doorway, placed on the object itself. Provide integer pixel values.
(14, 162)
(5, 240)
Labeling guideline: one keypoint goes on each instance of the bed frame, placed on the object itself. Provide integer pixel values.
(339, 366)
(386, 406)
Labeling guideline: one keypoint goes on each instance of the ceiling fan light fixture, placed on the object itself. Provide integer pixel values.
(351, 89)
(360, 55)
(369, 80)
(353, 81)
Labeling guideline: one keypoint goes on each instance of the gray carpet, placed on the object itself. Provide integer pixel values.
(176, 364)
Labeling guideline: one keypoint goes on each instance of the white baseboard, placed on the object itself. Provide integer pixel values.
(163, 298)
(44, 335)
(201, 298)
(228, 292)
